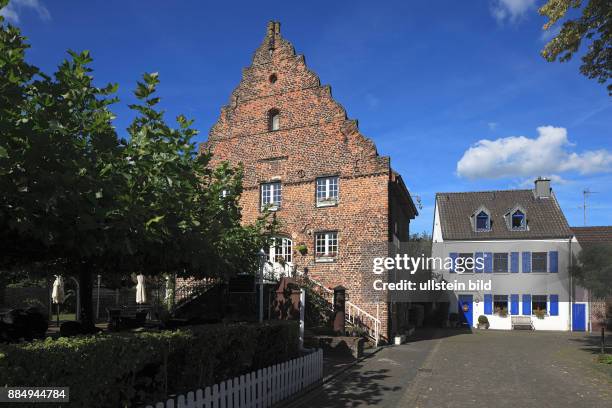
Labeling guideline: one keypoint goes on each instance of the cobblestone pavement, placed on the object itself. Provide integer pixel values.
(492, 369)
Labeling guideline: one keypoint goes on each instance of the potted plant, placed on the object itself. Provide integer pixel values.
(502, 312)
(540, 313)
(302, 248)
(483, 322)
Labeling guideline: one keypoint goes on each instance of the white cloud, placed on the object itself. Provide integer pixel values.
(492, 125)
(520, 156)
(510, 10)
(555, 178)
(12, 10)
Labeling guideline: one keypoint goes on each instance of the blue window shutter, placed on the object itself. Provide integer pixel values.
(514, 262)
(453, 256)
(478, 255)
(514, 302)
(526, 262)
(488, 304)
(553, 258)
(554, 305)
(527, 305)
(488, 262)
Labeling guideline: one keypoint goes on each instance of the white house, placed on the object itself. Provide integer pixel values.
(522, 245)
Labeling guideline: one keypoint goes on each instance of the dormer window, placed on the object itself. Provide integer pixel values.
(273, 120)
(518, 220)
(483, 222)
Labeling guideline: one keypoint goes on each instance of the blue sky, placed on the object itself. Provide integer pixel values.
(455, 92)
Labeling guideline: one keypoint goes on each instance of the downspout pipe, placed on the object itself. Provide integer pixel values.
(571, 282)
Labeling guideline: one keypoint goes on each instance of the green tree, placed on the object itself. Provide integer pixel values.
(77, 197)
(181, 216)
(593, 271)
(593, 24)
(57, 137)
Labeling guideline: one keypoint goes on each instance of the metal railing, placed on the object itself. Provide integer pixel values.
(185, 292)
(354, 315)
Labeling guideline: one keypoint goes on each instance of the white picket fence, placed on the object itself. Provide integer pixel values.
(257, 389)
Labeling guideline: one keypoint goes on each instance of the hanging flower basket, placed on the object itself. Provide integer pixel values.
(302, 249)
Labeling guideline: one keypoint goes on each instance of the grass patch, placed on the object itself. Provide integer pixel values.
(63, 317)
(605, 359)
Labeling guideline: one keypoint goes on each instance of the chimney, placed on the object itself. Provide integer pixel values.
(273, 28)
(272, 32)
(542, 188)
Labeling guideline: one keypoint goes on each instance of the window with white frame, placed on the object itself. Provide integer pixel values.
(327, 191)
(500, 304)
(326, 245)
(538, 304)
(271, 195)
(500, 262)
(539, 262)
(280, 250)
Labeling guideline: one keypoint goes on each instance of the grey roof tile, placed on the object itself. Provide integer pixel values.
(544, 216)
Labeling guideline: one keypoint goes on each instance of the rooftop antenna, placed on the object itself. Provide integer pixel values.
(586, 193)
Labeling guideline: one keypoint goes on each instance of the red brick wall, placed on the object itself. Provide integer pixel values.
(315, 139)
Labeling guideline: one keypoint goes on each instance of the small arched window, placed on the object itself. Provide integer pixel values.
(482, 221)
(518, 220)
(273, 119)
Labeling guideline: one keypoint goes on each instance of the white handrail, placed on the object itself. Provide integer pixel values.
(356, 315)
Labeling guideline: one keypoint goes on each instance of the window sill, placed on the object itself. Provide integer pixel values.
(270, 208)
(325, 259)
(321, 204)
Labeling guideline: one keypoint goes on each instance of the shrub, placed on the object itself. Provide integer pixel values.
(132, 368)
(482, 319)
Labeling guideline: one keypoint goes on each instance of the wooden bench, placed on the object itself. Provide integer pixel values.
(522, 323)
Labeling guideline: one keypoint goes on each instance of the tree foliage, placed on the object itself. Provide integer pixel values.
(594, 24)
(593, 270)
(78, 197)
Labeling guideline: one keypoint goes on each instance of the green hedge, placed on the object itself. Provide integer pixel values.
(111, 370)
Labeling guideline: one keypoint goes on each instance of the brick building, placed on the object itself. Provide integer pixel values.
(334, 195)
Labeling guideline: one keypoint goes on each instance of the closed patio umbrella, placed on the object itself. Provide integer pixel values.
(141, 290)
(58, 290)
(58, 294)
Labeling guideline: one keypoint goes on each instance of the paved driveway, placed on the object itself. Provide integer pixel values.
(510, 369)
(492, 369)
